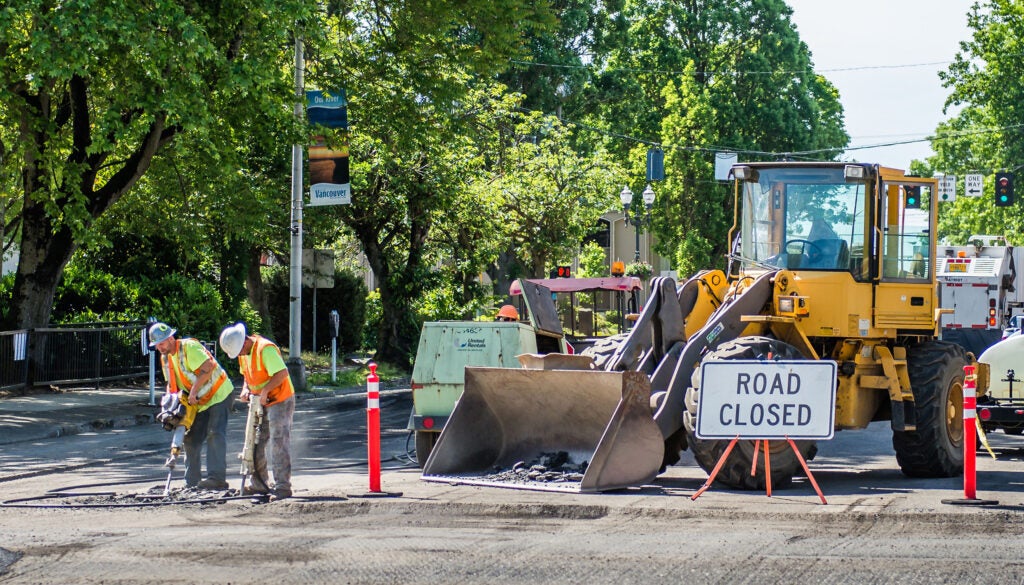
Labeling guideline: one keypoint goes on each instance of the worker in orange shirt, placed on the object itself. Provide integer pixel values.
(266, 379)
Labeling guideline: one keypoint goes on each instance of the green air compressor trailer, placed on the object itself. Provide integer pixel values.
(447, 347)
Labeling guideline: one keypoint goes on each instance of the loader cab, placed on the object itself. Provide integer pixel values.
(839, 225)
(806, 217)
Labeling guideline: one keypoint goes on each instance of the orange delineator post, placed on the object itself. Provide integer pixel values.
(373, 427)
(970, 433)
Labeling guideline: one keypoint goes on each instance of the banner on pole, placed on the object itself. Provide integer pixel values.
(328, 156)
(328, 174)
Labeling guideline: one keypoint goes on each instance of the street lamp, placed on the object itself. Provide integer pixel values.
(626, 197)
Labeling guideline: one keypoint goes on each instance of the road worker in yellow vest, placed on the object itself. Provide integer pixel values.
(266, 378)
(204, 386)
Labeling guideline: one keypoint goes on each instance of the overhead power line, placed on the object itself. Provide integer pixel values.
(801, 153)
(728, 71)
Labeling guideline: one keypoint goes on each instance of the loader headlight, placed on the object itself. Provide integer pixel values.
(745, 174)
(853, 172)
(786, 305)
(792, 306)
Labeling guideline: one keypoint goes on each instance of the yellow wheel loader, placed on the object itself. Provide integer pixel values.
(829, 261)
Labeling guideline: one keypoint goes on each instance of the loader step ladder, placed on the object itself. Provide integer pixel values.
(753, 467)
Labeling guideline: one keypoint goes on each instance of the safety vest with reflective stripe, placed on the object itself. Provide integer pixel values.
(177, 372)
(256, 374)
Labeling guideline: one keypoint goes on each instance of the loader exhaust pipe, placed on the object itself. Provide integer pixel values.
(507, 419)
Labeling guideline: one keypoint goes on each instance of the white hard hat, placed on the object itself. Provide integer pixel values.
(232, 339)
(159, 332)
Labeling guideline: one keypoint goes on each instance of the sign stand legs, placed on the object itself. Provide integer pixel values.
(718, 467)
(807, 470)
(753, 467)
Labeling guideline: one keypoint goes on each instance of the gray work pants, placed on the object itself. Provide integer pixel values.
(275, 435)
(210, 427)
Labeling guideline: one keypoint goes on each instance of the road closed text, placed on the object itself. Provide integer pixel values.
(767, 400)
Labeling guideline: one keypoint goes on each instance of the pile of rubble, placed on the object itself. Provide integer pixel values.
(557, 467)
(154, 496)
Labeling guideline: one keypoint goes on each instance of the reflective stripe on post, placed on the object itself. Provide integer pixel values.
(373, 427)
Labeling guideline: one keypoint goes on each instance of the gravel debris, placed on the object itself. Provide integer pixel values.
(546, 468)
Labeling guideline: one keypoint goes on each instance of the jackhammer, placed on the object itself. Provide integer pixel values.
(253, 426)
(176, 440)
(174, 416)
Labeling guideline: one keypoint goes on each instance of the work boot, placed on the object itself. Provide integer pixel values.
(280, 494)
(213, 484)
(256, 487)
(252, 490)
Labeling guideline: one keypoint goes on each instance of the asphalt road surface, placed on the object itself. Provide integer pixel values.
(878, 527)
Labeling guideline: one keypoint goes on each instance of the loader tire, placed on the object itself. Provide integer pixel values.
(425, 441)
(735, 473)
(936, 448)
(603, 350)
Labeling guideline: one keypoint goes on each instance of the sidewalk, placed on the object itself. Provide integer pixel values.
(82, 410)
(72, 411)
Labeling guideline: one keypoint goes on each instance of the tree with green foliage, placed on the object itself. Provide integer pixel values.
(552, 196)
(697, 77)
(96, 90)
(408, 70)
(987, 135)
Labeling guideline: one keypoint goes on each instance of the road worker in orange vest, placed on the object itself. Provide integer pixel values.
(203, 386)
(267, 380)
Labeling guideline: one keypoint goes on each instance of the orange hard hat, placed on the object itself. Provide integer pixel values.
(508, 311)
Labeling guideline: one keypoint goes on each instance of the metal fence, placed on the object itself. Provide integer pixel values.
(13, 359)
(78, 354)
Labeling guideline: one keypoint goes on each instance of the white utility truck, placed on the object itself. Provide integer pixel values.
(980, 283)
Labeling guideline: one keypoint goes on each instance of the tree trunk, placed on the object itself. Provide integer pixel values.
(505, 270)
(399, 285)
(257, 291)
(44, 255)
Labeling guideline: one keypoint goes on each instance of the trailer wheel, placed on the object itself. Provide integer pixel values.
(736, 471)
(936, 448)
(425, 441)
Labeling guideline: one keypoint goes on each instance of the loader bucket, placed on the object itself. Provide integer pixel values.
(549, 430)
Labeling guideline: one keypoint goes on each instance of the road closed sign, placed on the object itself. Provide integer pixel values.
(756, 399)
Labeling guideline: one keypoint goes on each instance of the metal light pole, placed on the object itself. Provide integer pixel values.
(296, 369)
(626, 198)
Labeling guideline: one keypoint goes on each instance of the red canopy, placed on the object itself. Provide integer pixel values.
(563, 285)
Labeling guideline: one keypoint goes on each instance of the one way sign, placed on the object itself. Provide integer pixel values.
(972, 185)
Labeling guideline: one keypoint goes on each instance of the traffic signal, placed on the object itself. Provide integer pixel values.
(1004, 189)
(912, 196)
(564, 272)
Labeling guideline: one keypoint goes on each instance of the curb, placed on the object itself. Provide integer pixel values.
(55, 430)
